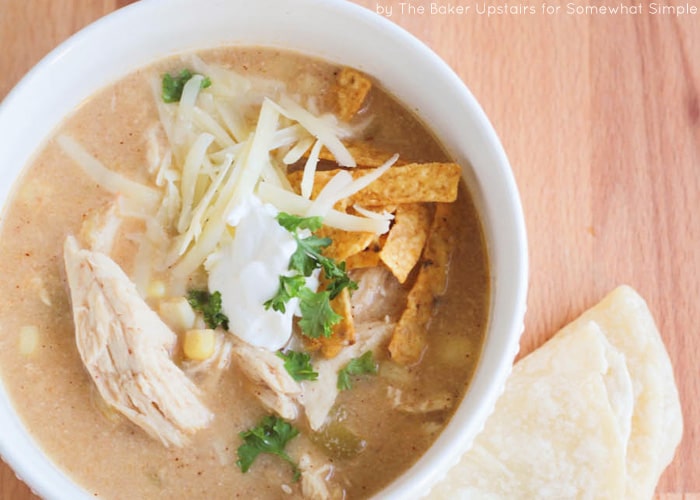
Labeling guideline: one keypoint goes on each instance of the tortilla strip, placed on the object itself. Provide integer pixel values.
(343, 332)
(365, 154)
(352, 88)
(411, 183)
(410, 335)
(366, 258)
(554, 432)
(344, 243)
(406, 239)
(554, 398)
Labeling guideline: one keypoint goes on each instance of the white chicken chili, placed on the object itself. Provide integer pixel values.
(241, 273)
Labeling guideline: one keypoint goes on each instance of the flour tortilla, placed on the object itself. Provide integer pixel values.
(657, 423)
(555, 432)
(600, 392)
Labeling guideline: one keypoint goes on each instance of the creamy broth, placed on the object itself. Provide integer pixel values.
(111, 457)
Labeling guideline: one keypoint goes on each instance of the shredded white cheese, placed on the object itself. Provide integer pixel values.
(296, 152)
(319, 128)
(233, 120)
(288, 201)
(343, 186)
(288, 135)
(199, 214)
(259, 154)
(371, 214)
(108, 179)
(215, 223)
(206, 122)
(364, 181)
(190, 173)
(307, 180)
(224, 82)
(329, 195)
(222, 179)
(189, 96)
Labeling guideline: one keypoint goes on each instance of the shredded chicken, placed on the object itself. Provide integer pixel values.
(126, 349)
(314, 479)
(274, 387)
(319, 396)
(207, 373)
(379, 295)
(100, 226)
(437, 402)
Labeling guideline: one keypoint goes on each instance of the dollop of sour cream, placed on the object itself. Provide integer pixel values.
(246, 272)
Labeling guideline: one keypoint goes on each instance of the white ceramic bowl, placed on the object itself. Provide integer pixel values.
(335, 30)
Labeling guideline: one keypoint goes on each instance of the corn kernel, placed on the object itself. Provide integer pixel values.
(199, 344)
(177, 314)
(28, 339)
(157, 289)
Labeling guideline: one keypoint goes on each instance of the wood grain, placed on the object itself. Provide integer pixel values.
(599, 115)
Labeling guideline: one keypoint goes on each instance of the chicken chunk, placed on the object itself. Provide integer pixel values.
(441, 401)
(379, 295)
(207, 373)
(319, 396)
(274, 387)
(314, 479)
(126, 348)
(100, 226)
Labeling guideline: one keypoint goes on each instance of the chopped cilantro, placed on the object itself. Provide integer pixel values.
(365, 364)
(210, 306)
(307, 256)
(337, 277)
(271, 436)
(288, 289)
(293, 222)
(298, 365)
(317, 315)
(173, 85)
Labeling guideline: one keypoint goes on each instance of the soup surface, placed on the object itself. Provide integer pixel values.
(375, 429)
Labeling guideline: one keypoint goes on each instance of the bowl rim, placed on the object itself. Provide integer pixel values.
(500, 207)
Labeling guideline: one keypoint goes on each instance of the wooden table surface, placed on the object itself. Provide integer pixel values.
(600, 117)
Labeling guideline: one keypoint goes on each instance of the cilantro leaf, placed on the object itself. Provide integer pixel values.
(317, 315)
(288, 289)
(173, 85)
(210, 306)
(298, 365)
(306, 256)
(336, 276)
(365, 364)
(293, 222)
(271, 436)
